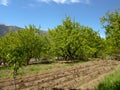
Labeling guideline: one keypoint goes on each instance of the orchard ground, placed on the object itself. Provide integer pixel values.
(59, 76)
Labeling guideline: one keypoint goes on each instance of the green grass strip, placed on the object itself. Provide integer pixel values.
(110, 82)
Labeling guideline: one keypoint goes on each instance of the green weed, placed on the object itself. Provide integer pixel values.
(110, 82)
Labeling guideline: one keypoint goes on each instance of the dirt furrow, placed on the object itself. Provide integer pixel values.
(41, 76)
(68, 78)
(77, 81)
(60, 78)
(63, 79)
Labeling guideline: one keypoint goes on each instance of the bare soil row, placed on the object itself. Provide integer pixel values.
(74, 77)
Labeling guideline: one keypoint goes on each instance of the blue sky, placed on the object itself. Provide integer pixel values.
(50, 13)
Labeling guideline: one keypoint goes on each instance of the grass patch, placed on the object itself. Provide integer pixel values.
(5, 72)
(110, 82)
(5, 75)
(5, 68)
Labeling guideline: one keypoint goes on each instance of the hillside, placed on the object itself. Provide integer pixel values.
(5, 28)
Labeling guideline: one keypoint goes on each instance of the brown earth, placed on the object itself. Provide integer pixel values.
(80, 77)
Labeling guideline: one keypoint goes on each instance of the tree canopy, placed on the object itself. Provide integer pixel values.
(111, 23)
(70, 41)
(73, 41)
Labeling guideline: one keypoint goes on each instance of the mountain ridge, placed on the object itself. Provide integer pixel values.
(6, 28)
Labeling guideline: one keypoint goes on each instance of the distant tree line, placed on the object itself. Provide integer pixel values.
(70, 41)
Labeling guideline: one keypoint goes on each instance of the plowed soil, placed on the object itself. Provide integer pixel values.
(80, 77)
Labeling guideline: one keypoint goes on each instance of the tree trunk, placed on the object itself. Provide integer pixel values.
(14, 77)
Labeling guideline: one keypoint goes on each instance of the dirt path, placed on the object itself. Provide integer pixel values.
(80, 77)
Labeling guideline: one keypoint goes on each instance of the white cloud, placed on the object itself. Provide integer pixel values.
(4, 2)
(74, 1)
(65, 1)
(44, 1)
(84, 1)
